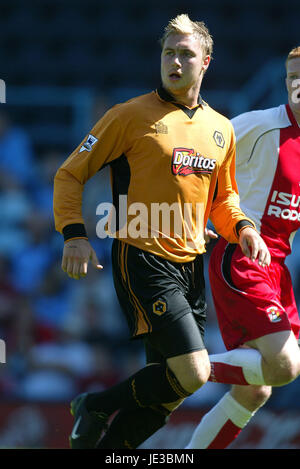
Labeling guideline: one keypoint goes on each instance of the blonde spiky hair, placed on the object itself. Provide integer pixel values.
(293, 54)
(182, 24)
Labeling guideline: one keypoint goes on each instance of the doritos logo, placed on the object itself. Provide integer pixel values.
(185, 161)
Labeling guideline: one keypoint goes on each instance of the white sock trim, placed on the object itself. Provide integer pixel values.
(238, 414)
(248, 359)
(213, 422)
(255, 375)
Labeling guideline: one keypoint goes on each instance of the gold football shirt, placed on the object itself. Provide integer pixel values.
(174, 167)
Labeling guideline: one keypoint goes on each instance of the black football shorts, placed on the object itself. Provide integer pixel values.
(163, 301)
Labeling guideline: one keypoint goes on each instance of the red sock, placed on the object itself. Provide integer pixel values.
(226, 435)
(228, 374)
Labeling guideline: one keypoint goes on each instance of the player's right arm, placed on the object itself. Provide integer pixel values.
(105, 143)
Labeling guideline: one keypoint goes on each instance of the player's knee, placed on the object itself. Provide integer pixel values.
(285, 370)
(291, 371)
(259, 395)
(194, 377)
(192, 370)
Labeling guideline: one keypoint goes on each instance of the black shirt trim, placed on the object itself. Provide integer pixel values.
(241, 224)
(166, 96)
(74, 230)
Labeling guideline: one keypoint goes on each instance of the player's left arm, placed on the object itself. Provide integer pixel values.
(225, 212)
(228, 218)
(251, 243)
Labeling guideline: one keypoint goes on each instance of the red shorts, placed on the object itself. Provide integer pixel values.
(250, 301)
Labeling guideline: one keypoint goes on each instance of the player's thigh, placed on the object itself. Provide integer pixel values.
(272, 346)
(181, 345)
(288, 301)
(152, 354)
(152, 291)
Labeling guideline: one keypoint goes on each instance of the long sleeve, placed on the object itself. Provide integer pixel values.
(105, 143)
(225, 211)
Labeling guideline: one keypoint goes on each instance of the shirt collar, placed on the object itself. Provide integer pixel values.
(166, 96)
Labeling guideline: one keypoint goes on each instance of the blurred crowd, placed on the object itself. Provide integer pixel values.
(62, 336)
(65, 336)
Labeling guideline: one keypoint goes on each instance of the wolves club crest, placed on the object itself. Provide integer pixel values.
(159, 307)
